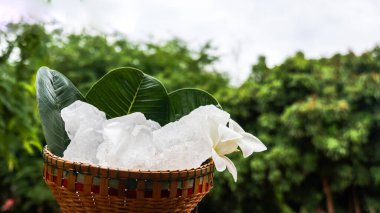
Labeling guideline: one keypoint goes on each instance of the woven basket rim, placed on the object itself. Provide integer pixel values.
(115, 172)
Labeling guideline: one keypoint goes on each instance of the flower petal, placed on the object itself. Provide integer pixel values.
(249, 144)
(231, 167)
(227, 134)
(227, 147)
(235, 126)
(220, 163)
(221, 118)
(213, 130)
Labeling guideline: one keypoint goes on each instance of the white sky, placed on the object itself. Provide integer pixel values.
(241, 29)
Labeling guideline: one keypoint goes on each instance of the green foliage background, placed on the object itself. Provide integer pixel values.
(320, 118)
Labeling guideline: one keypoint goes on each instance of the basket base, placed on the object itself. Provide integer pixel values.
(79, 202)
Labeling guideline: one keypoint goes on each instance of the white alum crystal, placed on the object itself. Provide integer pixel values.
(128, 142)
(133, 142)
(83, 124)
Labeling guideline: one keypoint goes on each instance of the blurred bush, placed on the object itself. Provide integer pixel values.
(319, 118)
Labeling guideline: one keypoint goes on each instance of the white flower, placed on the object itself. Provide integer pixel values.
(227, 139)
(248, 143)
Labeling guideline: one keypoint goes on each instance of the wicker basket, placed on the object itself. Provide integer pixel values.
(80, 187)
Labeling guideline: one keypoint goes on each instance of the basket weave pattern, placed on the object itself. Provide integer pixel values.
(80, 187)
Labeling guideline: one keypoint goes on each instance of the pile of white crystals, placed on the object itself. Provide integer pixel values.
(136, 143)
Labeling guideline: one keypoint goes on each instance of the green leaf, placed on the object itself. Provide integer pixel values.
(183, 101)
(54, 92)
(126, 90)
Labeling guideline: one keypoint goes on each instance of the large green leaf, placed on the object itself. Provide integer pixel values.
(126, 90)
(54, 92)
(183, 101)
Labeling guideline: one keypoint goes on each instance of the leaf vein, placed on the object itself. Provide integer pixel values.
(134, 96)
